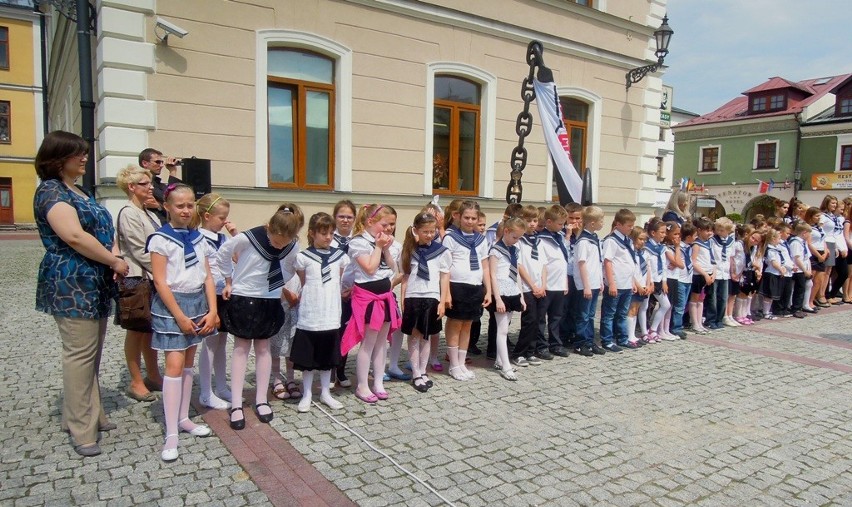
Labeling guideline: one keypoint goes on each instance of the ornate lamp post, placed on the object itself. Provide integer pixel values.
(663, 36)
(797, 181)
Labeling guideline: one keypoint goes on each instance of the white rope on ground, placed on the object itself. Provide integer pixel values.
(393, 461)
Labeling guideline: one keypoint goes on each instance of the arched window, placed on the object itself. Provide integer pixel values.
(575, 116)
(455, 130)
(300, 110)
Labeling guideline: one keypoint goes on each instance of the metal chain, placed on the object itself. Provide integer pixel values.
(523, 125)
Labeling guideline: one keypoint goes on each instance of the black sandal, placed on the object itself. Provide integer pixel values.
(238, 424)
(264, 418)
(422, 387)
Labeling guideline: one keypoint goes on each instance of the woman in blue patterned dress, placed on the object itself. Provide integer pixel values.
(75, 280)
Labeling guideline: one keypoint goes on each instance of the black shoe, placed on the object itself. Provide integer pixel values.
(546, 355)
(560, 351)
(421, 386)
(611, 347)
(87, 451)
(264, 418)
(598, 350)
(238, 424)
(474, 350)
(681, 334)
(584, 350)
(799, 315)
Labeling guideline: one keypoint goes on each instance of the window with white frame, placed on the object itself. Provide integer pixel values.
(766, 155)
(455, 136)
(709, 162)
(845, 158)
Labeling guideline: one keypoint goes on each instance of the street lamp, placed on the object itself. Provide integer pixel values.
(797, 181)
(662, 36)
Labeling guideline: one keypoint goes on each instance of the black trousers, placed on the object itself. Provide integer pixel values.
(784, 303)
(799, 285)
(528, 336)
(548, 335)
(841, 267)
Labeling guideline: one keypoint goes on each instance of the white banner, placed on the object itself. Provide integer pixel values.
(556, 137)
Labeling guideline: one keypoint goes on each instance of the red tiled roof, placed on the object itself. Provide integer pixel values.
(738, 108)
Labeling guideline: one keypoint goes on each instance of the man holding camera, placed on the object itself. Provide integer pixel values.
(153, 160)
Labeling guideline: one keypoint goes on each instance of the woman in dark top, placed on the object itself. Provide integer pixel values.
(677, 208)
(75, 280)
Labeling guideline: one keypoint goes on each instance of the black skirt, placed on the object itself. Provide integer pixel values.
(221, 305)
(770, 286)
(315, 350)
(421, 314)
(467, 301)
(748, 282)
(253, 318)
(512, 304)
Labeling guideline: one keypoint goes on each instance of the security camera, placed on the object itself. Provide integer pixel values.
(169, 28)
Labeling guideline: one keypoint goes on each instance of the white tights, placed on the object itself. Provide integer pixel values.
(373, 350)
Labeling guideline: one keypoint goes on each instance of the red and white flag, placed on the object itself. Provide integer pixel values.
(762, 187)
(556, 137)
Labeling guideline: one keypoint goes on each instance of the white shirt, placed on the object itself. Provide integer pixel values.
(829, 227)
(218, 279)
(623, 263)
(417, 287)
(178, 277)
(533, 267)
(672, 272)
(250, 275)
(686, 273)
(364, 244)
(818, 237)
(505, 285)
(655, 261)
(772, 255)
(723, 257)
(738, 258)
(799, 250)
(704, 257)
(320, 303)
(588, 254)
(786, 258)
(460, 269)
(557, 262)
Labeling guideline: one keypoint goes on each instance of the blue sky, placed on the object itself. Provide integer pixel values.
(721, 48)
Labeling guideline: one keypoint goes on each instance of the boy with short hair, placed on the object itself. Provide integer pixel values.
(619, 266)
(533, 283)
(688, 234)
(783, 306)
(723, 250)
(573, 228)
(588, 279)
(704, 276)
(798, 244)
(553, 245)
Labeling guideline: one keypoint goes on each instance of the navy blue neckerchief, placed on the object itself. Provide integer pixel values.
(592, 238)
(259, 239)
(216, 243)
(709, 247)
(531, 240)
(643, 264)
(382, 262)
(470, 241)
(818, 230)
(556, 238)
(686, 251)
(766, 262)
(623, 241)
(424, 254)
(657, 250)
(325, 259)
(342, 242)
(186, 238)
(724, 243)
(511, 253)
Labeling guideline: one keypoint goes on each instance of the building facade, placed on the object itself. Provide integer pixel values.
(758, 137)
(21, 110)
(388, 101)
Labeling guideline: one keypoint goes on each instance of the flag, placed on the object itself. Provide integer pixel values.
(702, 188)
(690, 185)
(762, 187)
(786, 183)
(771, 184)
(556, 138)
(683, 182)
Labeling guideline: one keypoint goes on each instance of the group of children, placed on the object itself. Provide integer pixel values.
(313, 306)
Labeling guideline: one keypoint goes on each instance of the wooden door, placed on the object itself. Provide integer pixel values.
(7, 217)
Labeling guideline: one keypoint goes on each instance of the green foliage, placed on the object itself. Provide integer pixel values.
(735, 218)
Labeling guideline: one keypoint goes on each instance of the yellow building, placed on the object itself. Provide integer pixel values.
(21, 110)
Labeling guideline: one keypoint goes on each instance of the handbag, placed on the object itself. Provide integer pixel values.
(134, 304)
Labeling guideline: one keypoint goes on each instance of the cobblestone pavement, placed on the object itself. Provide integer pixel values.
(757, 416)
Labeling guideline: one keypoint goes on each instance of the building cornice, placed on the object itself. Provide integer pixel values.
(826, 133)
(20, 88)
(599, 16)
(494, 28)
(739, 129)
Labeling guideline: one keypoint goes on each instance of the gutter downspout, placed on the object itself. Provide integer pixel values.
(44, 97)
(797, 182)
(87, 105)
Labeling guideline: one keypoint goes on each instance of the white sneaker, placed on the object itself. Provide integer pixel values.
(730, 322)
(304, 404)
(520, 361)
(669, 337)
(214, 402)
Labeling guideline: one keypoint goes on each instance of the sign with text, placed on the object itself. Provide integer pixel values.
(831, 181)
(666, 106)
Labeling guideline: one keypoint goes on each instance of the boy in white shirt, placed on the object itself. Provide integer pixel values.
(534, 281)
(619, 265)
(723, 249)
(588, 279)
(704, 275)
(552, 242)
(573, 228)
(798, 244)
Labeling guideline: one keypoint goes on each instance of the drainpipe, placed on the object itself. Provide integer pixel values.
(87, 105)
(45, 102)
(797, 182)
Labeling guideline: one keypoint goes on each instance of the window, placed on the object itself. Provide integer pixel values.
(5, 122)
(846, 158)
(765, 156)
(709, 159)
(300, 111)
(660, 176)
(587, 3)
(4, 48)
(758, 104)
(844, 106)
(455, 133)
(777, 102)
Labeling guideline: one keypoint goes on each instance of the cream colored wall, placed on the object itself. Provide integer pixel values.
(64, 78)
